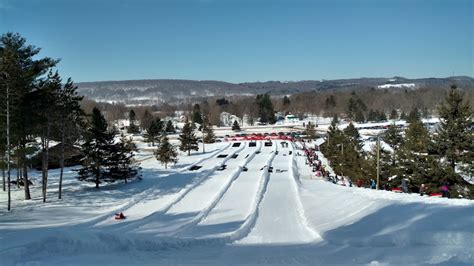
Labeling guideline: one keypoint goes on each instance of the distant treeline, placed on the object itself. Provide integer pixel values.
(363, 104)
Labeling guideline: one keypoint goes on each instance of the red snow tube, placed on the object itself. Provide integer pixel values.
(397, 190)
(119, 216)
(438, 195)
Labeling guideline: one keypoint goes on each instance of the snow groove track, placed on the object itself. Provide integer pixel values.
(233, 178)
(191, 205)
(250, 221)
(139, 208)
(279, 220)
(231, 211)
(213, 155)
(296, 189)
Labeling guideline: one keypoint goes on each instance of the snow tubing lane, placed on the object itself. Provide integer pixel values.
(201, 216)
(103, 219)
(249, 223)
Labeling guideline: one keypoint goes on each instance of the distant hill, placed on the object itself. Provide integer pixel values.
(155, 91)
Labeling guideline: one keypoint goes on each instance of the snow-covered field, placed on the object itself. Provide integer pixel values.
(238, 214)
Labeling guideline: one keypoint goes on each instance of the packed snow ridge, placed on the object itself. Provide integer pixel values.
(256, 203)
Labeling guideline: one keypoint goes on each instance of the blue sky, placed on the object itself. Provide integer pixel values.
(248, 40)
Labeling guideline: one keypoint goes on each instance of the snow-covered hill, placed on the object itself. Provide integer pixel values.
(238, 214)
(156, 91)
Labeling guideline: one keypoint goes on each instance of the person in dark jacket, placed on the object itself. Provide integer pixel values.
(373, 184)
(445, 191)
(405, 185)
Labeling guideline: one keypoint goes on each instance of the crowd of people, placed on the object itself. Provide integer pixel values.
(313, 160)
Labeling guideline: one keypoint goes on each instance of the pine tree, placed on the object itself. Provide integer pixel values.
(393, 115)
(353, 137)
(197, 116)
(310, 131)
(132, 128)
(387, 163)
(393, 137)
(209, 136)
(154, 131)
(188, 139)
(235, 126)
(356, 108)
(455, 141)
(359, 116)
(96, 150)
(286, 101)
(265, 109)
(69, 123)
(333, 143)
(414, 115)
(417, 137)
(403, 116)
(21, 72)
(330, 104)
(146, 120)
(412, 155)
(166, 153)
(122, 164)
(372, 116)
(169, 127)
(47, 111)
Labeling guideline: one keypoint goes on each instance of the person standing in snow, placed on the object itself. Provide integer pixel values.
(404, 185)
(445, 191)
(422, 190)
(373, 185)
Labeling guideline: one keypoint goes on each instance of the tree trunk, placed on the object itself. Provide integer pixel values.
(25, 180)
(8, 148)
(61, 163)
(97, 179)
(3, 175)
(125, 179)
(45, 161)
(43, 164)
(18, 172)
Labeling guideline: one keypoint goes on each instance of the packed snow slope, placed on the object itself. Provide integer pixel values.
(247, 204)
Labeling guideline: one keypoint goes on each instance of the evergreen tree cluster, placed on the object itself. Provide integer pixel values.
(106, 160)
(356, 109)
(133, 127)
(310, 131)
(376, 116)
(266, 113)
(417, 155)
(37, 107)
(34, 102)
(188, 139)
(209, 136)
(235, 126)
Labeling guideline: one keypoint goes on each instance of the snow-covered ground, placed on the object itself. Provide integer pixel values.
(239, 214)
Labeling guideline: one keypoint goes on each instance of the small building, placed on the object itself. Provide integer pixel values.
(228, 119)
